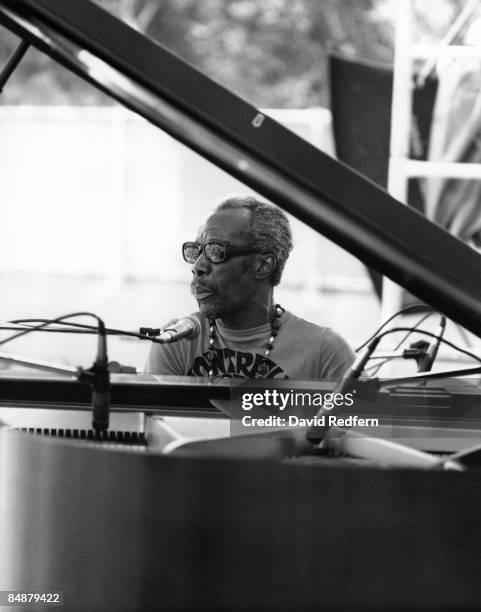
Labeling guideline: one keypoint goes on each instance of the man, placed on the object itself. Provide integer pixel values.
(237, 260)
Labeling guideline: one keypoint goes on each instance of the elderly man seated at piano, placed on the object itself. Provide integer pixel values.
(237, 260)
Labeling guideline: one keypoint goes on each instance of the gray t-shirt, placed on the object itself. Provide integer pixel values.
(301, 350)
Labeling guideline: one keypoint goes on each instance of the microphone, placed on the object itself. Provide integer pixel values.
(426, 363)
(100, 385)
(357, 367)
(178, 329)
(316, 433)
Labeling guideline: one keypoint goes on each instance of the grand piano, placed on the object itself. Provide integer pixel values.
(167, 509)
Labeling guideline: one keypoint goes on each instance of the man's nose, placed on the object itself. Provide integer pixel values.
(201, 266)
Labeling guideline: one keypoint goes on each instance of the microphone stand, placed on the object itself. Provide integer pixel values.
(101, 384)
(97, 376)
(426, 363)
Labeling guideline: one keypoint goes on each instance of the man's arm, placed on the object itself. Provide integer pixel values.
(336, 355)
(164, 359)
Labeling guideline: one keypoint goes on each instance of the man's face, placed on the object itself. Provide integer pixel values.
(227, 288)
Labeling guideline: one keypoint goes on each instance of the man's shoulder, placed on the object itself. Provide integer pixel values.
(307, 328)
(313, 334)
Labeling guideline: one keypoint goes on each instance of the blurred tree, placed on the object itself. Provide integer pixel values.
(271, 52)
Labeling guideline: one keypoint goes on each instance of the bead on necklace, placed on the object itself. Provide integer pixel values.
(263, 367)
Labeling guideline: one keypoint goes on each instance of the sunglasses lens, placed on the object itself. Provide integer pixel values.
(190, 252)
(215, 252)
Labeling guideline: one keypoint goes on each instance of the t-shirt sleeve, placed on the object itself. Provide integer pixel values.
(164, 359)
(336, 355)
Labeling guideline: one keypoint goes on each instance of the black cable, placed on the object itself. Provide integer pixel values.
(68, 323)
(431, 335)
(92, 328)
(375, 369)
(100, 327)
(64, 330)
(413, 308)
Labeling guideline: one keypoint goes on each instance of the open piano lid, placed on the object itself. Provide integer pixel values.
(323, 193)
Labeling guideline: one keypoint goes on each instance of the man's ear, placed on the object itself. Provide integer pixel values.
(264, 265)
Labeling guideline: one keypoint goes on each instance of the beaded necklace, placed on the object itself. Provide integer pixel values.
(263, 367)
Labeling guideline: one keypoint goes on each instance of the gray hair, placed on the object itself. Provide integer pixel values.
(268, 232)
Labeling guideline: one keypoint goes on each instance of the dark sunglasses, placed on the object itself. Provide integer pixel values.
(215, 251)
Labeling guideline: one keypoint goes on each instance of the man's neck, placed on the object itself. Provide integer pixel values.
(256, 315)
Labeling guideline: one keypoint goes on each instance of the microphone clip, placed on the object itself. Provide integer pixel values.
(417, 350)
(150, 332)
(100, 395)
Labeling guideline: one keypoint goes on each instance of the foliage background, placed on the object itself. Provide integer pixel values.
(271, 52)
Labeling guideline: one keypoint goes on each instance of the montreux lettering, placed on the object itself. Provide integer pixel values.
(234, 364)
